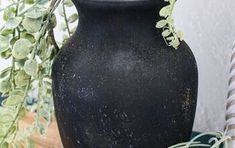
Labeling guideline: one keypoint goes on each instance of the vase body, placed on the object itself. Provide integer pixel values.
(116, 84)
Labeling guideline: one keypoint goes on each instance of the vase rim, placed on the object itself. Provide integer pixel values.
(121, 2)
(118, 1)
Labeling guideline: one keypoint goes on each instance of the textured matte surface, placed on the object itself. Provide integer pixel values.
(117, 84)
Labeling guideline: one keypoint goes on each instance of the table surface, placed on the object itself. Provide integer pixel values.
(50, 140)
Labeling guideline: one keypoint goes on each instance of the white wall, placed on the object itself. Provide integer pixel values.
(209, 27)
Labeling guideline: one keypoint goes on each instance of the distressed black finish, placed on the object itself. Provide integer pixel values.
(118, 85)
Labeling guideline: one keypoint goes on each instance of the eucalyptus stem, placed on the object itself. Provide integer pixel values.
(66, 19)
(17, 127)
(13, 59)
(17, 113)
(53, 6)
(171, 36)
(12, 73)
(52, 36)
(17, 8)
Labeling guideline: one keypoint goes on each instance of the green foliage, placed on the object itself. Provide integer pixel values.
(21, 48)
(21, 78)
(4, 43)
(13, 22)
(31, 67)
(218, 139)
(35, 13)
(169, 33)
(27, 39)
(32, 25)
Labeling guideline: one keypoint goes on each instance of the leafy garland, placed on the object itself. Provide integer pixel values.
(27, 39)
(169, 34)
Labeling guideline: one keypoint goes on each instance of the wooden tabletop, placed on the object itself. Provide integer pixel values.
(50, 140)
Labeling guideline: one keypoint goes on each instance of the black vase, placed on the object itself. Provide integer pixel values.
(116, 83)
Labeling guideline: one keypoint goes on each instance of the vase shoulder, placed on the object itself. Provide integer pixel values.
(119, 94)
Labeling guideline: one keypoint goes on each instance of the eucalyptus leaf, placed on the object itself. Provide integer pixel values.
(32, 25)
(13, 40)
(180, 35)
(170, 20)
(18, 92)
(68, 3)
(4, 74)
(73, 18)
(170, 38)
(5, 86)
(42, 2)
(29, 1)
(6, 32)
(22, 6)
(4, 43)
(21, 48)
(13, 22)
(5, 145)
(43, 44)
(15, 98)
(165, 11)
(60, 11)
(20, 62)
(6, 117)
(53, 22)
(63, 27)
(8, 13)
(161, 24)
(175, 43)
(6, 54)
(31, 67)
(29, 37)
(21, 78)
(2, 132)
(166, 33)
(35, 13)
(22, 113)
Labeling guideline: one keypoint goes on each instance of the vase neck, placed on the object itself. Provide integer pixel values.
(116, 18)
(120, 4)
(134, 18)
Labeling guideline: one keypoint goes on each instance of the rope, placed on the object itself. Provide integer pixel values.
(230, 107)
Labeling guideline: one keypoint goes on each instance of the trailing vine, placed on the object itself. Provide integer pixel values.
(171, 36)
(27, 39)
(218, 140)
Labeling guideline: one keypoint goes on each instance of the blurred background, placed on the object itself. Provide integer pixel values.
(209, 29)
